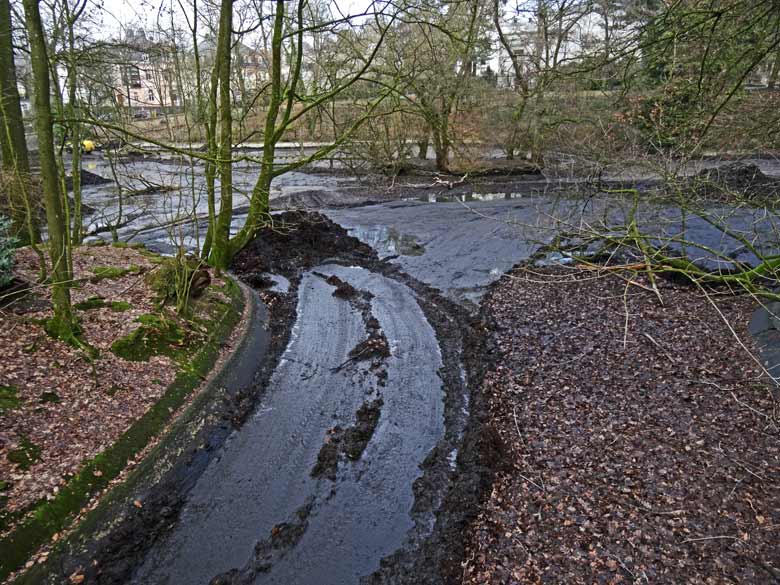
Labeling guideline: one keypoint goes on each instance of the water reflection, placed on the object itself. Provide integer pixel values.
(387, 241)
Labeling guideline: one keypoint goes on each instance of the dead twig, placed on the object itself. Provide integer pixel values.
(438, 182)
(517, 428)
(703, 538)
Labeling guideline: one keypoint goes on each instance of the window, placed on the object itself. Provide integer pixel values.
(132, 76)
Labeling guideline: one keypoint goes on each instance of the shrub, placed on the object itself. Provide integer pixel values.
(179, 279)
(7, 251)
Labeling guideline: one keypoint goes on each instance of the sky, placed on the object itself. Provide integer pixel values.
(118, 15)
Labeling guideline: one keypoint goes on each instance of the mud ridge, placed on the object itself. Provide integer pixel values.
(448, 494)
(374, 347)
(283, 537)
(350, 442)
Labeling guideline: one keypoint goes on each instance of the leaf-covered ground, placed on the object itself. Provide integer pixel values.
(641, 444)
(61, 406)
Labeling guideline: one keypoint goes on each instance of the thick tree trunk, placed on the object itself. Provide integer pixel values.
(441, 144)
(13, 147)
(62, 325)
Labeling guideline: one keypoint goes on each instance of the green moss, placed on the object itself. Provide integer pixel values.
(91, 303)
(177, 281)
(114, 389)
(27, 454)
(151, 256)
(156, 336)
(100, 302)
(40, 522)
(104, 272)
(50, 397)
(4, 485)
(8, 398)
(70, 333)
(134, 246)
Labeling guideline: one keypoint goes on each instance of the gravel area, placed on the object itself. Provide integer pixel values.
(640, 441)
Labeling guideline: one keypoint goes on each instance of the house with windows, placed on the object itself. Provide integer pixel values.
(145, 75)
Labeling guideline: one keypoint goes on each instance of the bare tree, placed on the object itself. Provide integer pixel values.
(62, 324)
(13, 146)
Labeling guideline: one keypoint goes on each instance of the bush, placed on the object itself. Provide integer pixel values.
(179, 279)
(7, 251)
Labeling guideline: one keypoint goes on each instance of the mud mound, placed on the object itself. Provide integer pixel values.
(344, 290)
(738, 179)
(351, 442)
(87, 178)
(297, 241)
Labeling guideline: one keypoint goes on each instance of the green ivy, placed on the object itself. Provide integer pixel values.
(8, 245)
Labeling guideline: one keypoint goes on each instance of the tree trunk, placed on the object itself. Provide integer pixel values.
(259, 202)
(422, 146)
(210, 108)
(220, 244)
(62, 324)
(75, 140)
(441, 145)
(13, 147)
(774, 72)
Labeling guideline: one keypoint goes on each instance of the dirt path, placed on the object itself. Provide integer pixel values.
(263, 476)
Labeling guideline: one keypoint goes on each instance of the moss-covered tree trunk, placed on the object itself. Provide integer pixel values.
(220, 243)
(259, 202)
(62, 325)
(13, 147)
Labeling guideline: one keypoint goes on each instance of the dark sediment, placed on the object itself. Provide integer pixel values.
(446, 496)
(738, 180)
(283, 537)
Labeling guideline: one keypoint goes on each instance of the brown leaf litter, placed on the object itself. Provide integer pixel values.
(642, 440)
(71, 407)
